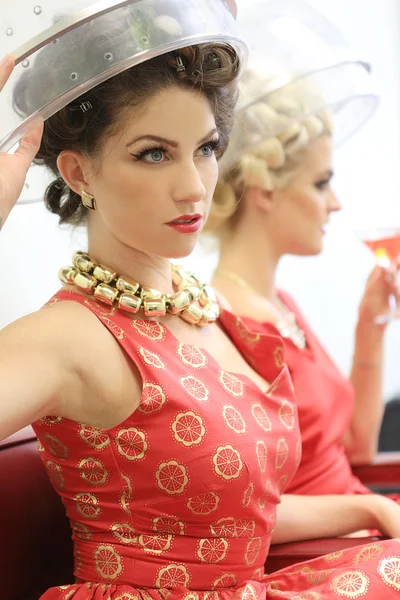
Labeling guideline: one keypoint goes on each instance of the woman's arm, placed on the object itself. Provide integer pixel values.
(38, 369)
(62, 361)
(361, 440)
(312, 517)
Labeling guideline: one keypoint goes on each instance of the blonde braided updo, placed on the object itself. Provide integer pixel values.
(270, 163)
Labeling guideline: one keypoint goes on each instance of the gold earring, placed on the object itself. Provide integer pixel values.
(88, 200)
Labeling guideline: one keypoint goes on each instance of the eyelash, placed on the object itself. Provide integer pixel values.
(214, 145)
(322, 185)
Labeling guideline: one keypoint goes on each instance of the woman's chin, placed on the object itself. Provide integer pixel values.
(183, 251)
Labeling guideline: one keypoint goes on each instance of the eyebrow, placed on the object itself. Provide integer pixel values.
(328, 173)
(172, 143)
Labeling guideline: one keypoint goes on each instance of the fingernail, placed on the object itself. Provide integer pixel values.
(5, 60)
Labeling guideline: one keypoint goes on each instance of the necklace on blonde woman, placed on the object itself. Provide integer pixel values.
(192, 301)
(285, 322)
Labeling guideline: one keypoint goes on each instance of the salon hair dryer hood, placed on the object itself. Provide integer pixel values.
(70, 46)
(293, 47)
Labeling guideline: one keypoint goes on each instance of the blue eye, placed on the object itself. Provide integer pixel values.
(155, 155)
(207, 150)
(210, 148)
(151, 155)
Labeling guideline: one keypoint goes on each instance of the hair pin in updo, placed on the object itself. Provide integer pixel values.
(85, 106)
(180, 67)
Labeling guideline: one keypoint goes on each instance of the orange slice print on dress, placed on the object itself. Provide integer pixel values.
(279, 356)
(195, 388)
(252, 550)
(127, 484)
(151, 330)
(117, 331)
(56, 448)
(226, 580)
(151, 358)
(225, 527)
(245, 333)
(317, 577)
(233, 419)
(248, 592)
(192, 356)
(93, 436)
(70, 593)
(333, 556)
(227, 462)
(126, 494)
(51, 420)
(247, 494)
(389, 570)
(260, 415)
(281, 484)
(128, 596)
(172, 477)
(286, 414)
(212, 550)
(266, 496)
(124, 533)
(203, 504)
(172, 576)
(81, 531)
(152, 400)
(188, 428)
(131, 443)
(258, 574)
(231, 384)
(245, 528)
(108, 562)
(93, 471)
(310, 596)
(54, 472)
(156, 544)
(350, 584)
(282, 453)
(87, 505)
(167, 524)
(369, 552)
(262, 455)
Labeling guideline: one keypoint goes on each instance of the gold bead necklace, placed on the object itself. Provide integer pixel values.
(193, 301)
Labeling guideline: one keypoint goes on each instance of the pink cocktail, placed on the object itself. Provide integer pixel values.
(385, 244)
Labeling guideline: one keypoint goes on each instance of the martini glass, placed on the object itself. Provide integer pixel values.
(384, 242)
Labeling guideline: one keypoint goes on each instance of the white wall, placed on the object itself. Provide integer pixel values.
(32, 247)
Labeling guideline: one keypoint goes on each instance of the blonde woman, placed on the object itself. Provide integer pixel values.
(274, 197)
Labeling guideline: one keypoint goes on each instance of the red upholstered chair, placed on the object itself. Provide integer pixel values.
(36, 548)
(35, 545)
(383, 475)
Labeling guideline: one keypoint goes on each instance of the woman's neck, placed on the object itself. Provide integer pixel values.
(148, 270)
(252, 258)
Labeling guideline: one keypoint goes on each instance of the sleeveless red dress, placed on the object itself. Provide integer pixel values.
(325, 404)
(179, 500)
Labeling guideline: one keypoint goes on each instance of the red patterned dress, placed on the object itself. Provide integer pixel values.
(178, 502)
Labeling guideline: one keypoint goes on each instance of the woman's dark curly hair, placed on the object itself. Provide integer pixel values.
(209, 68)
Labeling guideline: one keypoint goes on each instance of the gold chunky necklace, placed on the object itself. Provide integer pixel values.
(193, 301)
(286, 324)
